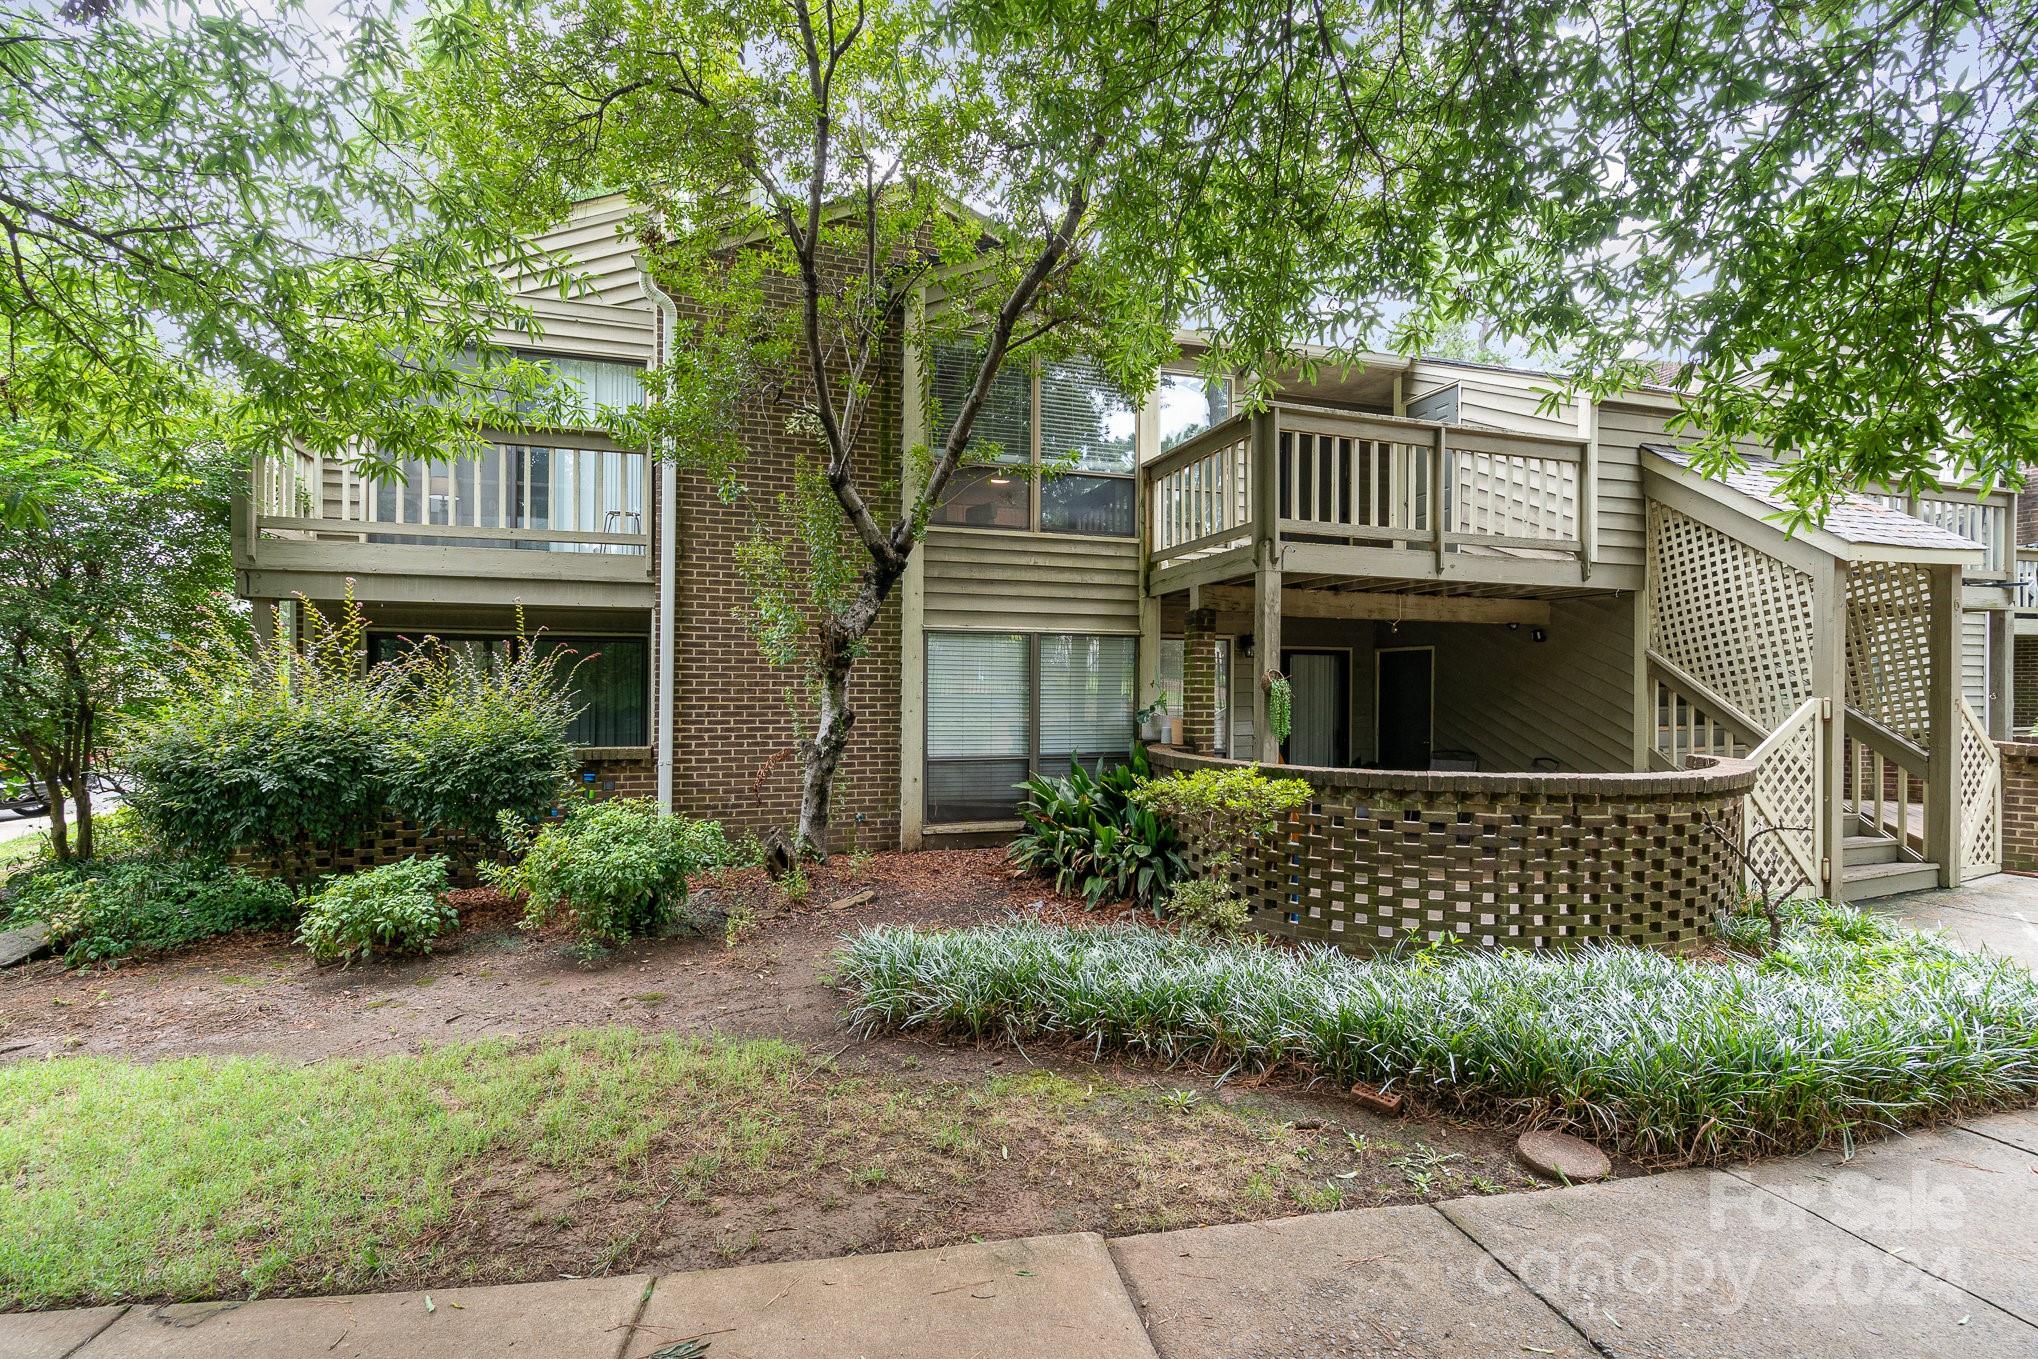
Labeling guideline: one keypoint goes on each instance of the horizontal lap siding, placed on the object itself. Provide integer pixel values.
(1030, 582)
(1509, 698)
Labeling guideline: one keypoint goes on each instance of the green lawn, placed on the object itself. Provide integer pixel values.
(202, 1176)
(600, 1150)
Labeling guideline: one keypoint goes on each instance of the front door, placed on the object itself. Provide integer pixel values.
(1319, 683)
(1405, 681)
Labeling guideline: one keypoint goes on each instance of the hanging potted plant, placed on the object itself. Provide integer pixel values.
(1280, 705)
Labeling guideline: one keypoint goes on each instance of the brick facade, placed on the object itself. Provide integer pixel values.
(2020, 805)
(2024, 684)
(2027, 517)
(734, 756)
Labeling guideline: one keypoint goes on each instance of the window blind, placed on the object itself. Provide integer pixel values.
(1005, 418)
(977, 691)
(599, 383)
(1086, 688)
(1081, 413)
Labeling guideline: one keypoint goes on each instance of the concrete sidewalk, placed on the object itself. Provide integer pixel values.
(1920, 1246)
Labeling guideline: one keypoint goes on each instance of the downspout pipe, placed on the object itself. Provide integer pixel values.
(666, 700)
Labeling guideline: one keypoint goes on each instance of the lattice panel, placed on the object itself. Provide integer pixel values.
(1782, 820)
(1370, 870)
(1889, 646)
(1981, 795)
(1736, 619)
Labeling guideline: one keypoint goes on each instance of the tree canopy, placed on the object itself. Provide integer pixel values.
(212, 213)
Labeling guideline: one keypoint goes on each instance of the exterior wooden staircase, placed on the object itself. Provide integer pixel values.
(1877, 866)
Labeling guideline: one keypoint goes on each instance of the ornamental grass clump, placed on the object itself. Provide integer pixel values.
(1850, 1026)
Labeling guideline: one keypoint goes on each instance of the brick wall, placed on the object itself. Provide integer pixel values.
(2027, 517)
(2020, 805)
(2024, 684)
(1199, 680)
(1520, 860)
(733, 752)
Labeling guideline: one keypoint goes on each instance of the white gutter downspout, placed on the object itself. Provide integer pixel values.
(668, 549)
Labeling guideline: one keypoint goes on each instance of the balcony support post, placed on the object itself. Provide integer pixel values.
(1942, 777)
(1266, 506)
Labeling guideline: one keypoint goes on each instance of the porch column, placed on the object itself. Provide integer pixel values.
(1266, 578)
(1199, 681)
(1266, 651)
(1829, 686)
(1942, 781)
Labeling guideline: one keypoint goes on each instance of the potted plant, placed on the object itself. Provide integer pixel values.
(1152, 719)
(1280, 704)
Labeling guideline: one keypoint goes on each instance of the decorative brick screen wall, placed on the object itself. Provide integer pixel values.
(2020, 805)
(1382, 858)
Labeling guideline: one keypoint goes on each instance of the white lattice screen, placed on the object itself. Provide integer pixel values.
(1735, 619)
(1785, 832)
(1889, 646)
(1981, 795)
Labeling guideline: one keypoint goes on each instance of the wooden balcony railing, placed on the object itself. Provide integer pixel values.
(1339, 477)
(1988, 520)
(549, 497)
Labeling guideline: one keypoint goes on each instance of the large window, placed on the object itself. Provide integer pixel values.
(586, 490)
(1065, 420)
(611, 678)
(1188, 404)
(1001, 706)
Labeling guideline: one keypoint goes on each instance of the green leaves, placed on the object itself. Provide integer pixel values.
(1088, 834)
(394, 908)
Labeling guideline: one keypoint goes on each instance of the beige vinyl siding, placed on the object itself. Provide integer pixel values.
(604, 313)
(1508, 698)
(1974, 661)
(1030, 582)
(1622, 511)
(1487, 396)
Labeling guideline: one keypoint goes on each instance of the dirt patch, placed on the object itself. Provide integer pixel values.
(904, 1141)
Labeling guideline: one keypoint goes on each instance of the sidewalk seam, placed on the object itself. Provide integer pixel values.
(1131, 1292)
(79, 1348)
(637, 1315)
(1999, 1141)
(1526, 1287)
(1953, 1284)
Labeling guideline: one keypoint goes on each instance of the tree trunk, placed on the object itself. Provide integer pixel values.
(53, 792)
(81, 782)
(823, 754)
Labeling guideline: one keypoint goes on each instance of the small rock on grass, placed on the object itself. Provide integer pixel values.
(1560, 1156)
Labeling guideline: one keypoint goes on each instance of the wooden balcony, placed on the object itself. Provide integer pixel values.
(1342, 493)
(562, 522)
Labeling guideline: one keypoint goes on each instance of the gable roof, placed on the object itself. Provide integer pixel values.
(1855, 527)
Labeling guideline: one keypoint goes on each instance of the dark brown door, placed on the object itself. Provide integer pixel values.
(1406, 687)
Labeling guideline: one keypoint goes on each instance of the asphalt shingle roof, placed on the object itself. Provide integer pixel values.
(1852, 519)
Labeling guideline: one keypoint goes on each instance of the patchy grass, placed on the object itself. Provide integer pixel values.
(1851, 1025)
(604, 1150)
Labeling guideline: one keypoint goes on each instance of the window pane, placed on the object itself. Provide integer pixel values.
(1085, 693)
(973, 790)
(1188, 405)
(1099, 505)
(984, 497)
(977, 695)
(598, 382)
(1084, 415)
(611, 677)
(1006, 417)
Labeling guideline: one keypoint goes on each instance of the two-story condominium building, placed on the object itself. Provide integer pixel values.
(1452, 576)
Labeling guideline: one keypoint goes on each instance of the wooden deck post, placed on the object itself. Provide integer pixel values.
(1266, 577)
(1829, 686)
(1942, 781)
(2002, 681)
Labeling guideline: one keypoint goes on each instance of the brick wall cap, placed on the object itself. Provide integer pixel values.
(1709, 776)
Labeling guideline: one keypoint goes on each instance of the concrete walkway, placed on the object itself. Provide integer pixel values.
(1920, 1246)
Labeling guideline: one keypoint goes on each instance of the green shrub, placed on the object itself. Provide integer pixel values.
(1224, 808)
(275, 750)
(1850, 1025)
(394, 908)
(484, 735)
(109, 908)
(1207, 907)
(613, 870)
(1088, 835)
